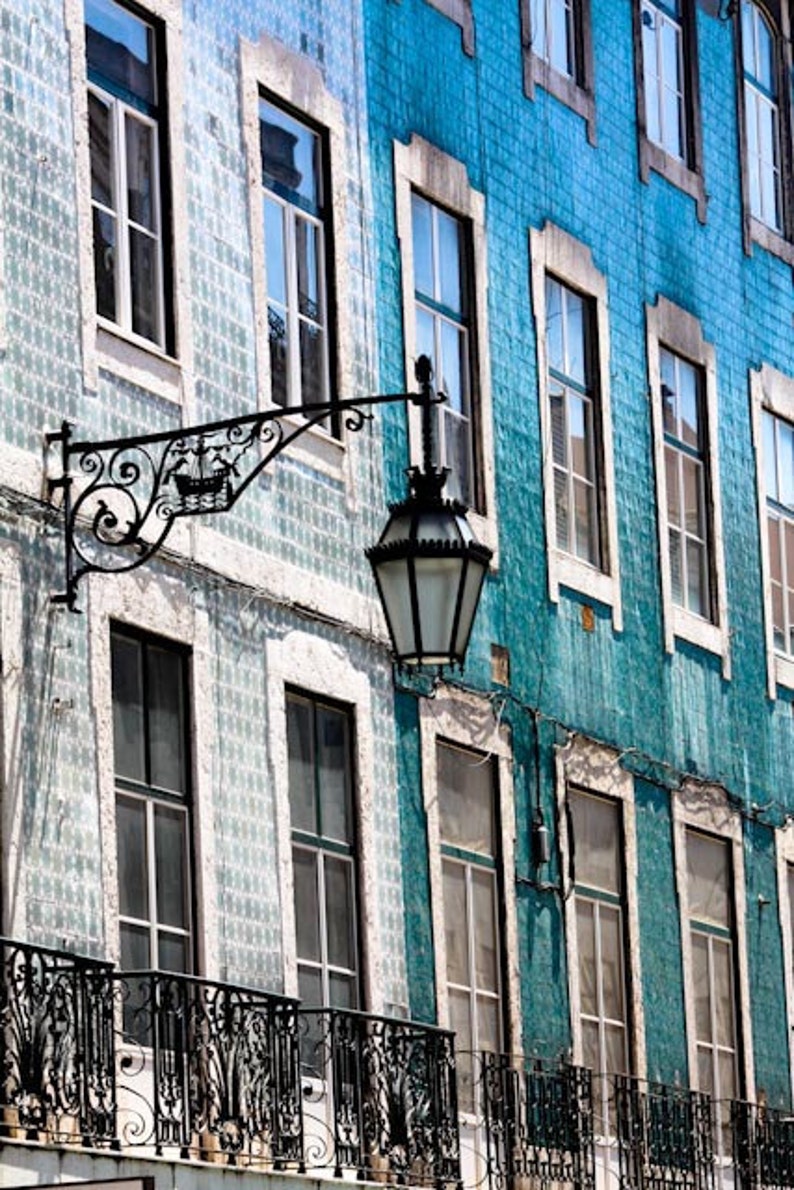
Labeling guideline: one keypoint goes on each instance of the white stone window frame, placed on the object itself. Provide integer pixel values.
(588, 767)
(161, 610)
(14, 897)
(553, 251)
(456, 717)
(106, 345)
(773, 392)
(705, 808)
(784, 840)
(320, 669)
(271, 70)
(677, 330)
(420, 166)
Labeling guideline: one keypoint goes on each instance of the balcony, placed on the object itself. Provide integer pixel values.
(164, 1065)
(763, 1147)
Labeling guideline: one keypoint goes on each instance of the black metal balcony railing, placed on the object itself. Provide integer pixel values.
(381, 1097)
(763, 1147)
(664, 1136)
(56, 1046)
(207, 1068)
(538, 1122)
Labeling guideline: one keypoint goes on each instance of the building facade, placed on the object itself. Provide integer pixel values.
(270, 904)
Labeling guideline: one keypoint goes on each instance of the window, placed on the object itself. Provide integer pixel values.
(443, 333)
(319, 743)
(558, 53)
(596, 847)
(763, 68)
(779, 485)
(668, 94)
(711, 940)
(296, 237)
(571, 390)
(468, 831)
(127, 135)
(569, 298)
(683, 388)
(150, 725)
(686, 483)
(441, 234)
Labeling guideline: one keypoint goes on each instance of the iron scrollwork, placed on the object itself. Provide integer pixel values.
(122, 496)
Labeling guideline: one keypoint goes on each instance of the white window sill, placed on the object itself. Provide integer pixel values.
(139, 362)
(579, 576)
(315, 447)
(784, 671)
(697, 631)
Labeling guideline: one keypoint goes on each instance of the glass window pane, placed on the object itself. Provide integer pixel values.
(561, 57)
(165, 688)
(575, 336)
(275, 253)
(697, 579)
(128, 721)
(460, 1023)
(340, 912)
(120, 48)
(466, 799)
(290, 156)
(456, 932)
(688, 404)
(310, 986)
(705, 1071)
(486, 959)
(723, 991)
(100, 132)
(449, 262)
(786, 454)
(131, 857)
(307, 908)
(144, 284)
(554, 335)
(342, 991)
(539, 35)
(770, 455)
(709, 881)
(611, 963)
(307, 255)
(140, 169)
(170, 845)
(173, 954)
(134, 948)
(105, 264)
(451, 376)
(333, 774)
(667, 371)
(278, 344)
(596, 839)
(615, 1057)
(312, 364)
(586, 948)
(488, 1032)
(301, 765)
(421, 222)
(693, 496)
(726, 1066)
(700, 978)
(591, 1054)
(584, 497)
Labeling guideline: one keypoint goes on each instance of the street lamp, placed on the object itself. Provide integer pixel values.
(122, 496)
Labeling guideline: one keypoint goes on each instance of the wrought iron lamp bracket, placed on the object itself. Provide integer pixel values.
(122, 496)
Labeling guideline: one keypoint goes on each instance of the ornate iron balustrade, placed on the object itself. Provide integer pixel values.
(538, 1121)
(56, 1046)
(381, 1097)
(665, 1136)
(207, 1069)
(763, 1146)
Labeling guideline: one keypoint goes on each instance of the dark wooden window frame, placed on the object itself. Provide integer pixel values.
(576, 93)
(780, 243)
(685, 175)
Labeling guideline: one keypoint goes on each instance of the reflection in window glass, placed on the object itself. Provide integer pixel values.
(663, 76)
(778, 449)
(762, 116)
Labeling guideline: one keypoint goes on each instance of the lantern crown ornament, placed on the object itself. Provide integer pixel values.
(428, 565)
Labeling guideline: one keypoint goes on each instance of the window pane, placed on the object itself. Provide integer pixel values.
(596, 839)
(449, 262)
(561, 38)
(611, 963)
(707, 865)
(615, 1057)
(586, 948)
(172, 952)
(132, 860)
(452, 371)
(166, 719)
(342, 991)
(723, 991)
(140, 166)
(539, 35)
(171, 866)
(688, 404)
(128, 722)
(421, 222)
(307, 909)
(486, 961)
(705, 1070)
(301, 766)
(786, 440)
(144, 284)
(700, 977)
(275, 253)
(310, 986)
(120, 48)
(456, 931)
(134, 948)
(100, 133)
(693, 496)
(554, 335)
(460, 1024)
(105, 264)
(312, 365)
(726, 1064)
(575, 335)
(278, 342)
(307, 261)
(290, 153)
(465, 794)
(697, 581)
(488, 1032)
(340, 912)
(333, 774)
